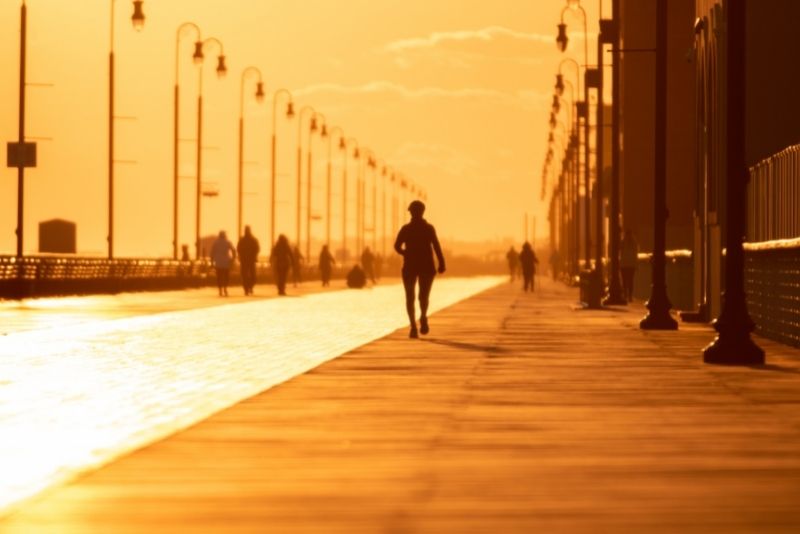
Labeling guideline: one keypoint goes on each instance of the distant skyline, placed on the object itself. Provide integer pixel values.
(455, 97)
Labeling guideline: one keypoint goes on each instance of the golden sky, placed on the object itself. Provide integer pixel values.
(455, 94)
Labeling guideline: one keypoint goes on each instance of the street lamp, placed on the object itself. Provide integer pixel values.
(289, 114)
(342, 146)
(197, 57)
(221, 72)
(323, 133)
(305, 110)
(259, 96)
(138, 23)
(356, 156)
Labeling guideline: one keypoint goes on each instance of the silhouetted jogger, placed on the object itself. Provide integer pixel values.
(528, 261)
(222, 255)
(248, 249)
(326, 262)
(281, 261)
(417, 242)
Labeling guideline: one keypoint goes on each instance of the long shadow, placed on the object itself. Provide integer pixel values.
(775, 369)
(466, 346)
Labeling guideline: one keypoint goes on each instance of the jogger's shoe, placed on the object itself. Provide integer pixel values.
(413, 333)
(423, 325)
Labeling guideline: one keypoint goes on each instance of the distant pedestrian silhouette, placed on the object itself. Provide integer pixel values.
(248, 249)
(326, 262)
(629, 256)
(222, 255)
(368, 264)
(297, 266)
(185, 253)
(281, 260)
(513, 262)
(356, 278)
(528, 261)
(417, 242)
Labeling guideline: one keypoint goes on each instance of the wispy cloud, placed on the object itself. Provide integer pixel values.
(440, 158)
(489, 33)
(386, 87)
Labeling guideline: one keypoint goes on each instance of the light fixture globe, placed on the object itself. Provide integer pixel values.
(290, 109)
(138, 15)
(260, 92)
(198, 56)
(562, 40)
(559, 84)
(222, 70)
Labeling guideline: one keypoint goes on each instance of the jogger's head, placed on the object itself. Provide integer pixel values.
(417, 208)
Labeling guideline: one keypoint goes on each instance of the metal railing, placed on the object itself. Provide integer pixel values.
(773, 197)
(31, 276)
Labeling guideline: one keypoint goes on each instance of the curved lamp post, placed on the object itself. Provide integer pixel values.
(303, 112)
(198, 58)
(273, 181)
(356, 156)
(259, 96)
(222, 70)
(323, 133)
(328, 192)
(137, 19)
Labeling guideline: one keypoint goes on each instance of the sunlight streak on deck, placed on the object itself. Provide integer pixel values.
(74, 398)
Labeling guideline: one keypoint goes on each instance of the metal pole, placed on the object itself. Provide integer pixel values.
(615, 294)
(199, 170)
(599, 201)
(240, 178)
(110, 236)
(23, 38)
(272, 193)
(733, 345)
(308, 198)
(175, 170)
(344, 205)
(659, 305)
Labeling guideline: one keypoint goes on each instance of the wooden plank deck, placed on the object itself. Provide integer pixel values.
(517, 414)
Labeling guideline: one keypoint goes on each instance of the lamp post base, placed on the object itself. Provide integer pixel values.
(658, 318)
(615, 298)
(733, 349)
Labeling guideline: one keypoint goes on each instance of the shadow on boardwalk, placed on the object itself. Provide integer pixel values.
(592, 425)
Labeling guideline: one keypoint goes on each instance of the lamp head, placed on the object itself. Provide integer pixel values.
(356, 153)
(556, 104)
(324, 131)
(553, 122)
(313, 126)
(222, 70)
(562, 38)
(342, 144)
(197, 57)
(260, 92)
(290, 109)
(560, 84)
(550, 137)
(138, 15)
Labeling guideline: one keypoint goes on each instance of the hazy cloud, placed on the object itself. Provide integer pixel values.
(383, 87)
(483, 34)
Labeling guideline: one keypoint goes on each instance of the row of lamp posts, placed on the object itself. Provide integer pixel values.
(733, 344)
(401, 187)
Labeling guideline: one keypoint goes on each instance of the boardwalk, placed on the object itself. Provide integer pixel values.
(517, 414)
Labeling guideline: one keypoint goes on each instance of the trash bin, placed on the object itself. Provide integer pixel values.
(590, 290)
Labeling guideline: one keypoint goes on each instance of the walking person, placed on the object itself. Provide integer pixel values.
(513, 262)
(528, 261)
(297, 267)
(368, 264)
(326, 263)
(222, 255)
(281, 261)
(248, 249)
(417, 242)
(629, 255)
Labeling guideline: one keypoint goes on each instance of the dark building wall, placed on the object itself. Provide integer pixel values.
(773, 77)
(638, 121)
